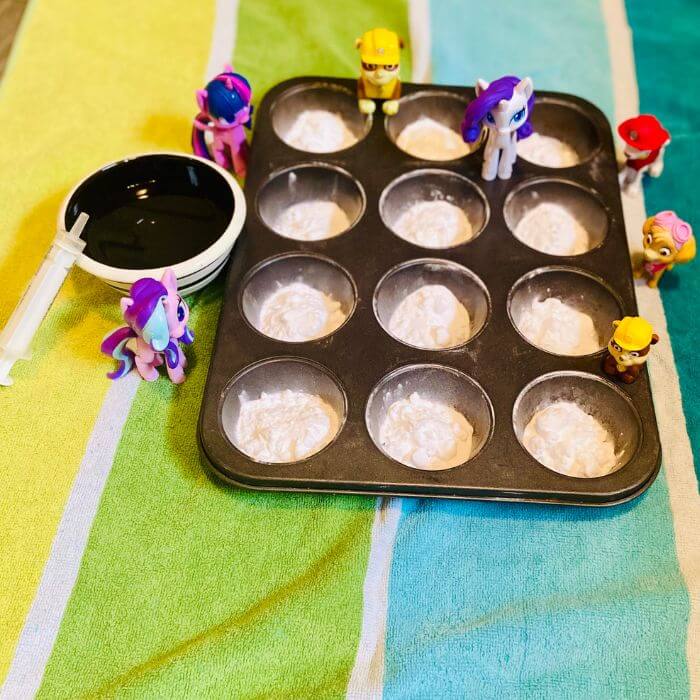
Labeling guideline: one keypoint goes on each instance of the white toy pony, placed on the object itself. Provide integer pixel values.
(503, 107)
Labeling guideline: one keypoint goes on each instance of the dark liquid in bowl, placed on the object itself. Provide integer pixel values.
(152, 211)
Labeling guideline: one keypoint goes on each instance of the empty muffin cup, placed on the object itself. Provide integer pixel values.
(434, 208)
(283, 410)
(319, 118)
(563, 136)
(593, 395)
(305, 314)
(564, 311)
(428, 126)
(311, 202)
(556, 217)
(452, 394)
(447, 283)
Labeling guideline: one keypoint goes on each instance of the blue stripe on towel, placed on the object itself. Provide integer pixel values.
(508, 600)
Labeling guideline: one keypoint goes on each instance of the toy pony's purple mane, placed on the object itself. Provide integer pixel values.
(226, 95)
(146, 294)
(501, 89)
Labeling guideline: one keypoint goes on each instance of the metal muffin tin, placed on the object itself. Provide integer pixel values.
(497, 379)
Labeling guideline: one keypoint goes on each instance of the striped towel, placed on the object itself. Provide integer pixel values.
(125, 571)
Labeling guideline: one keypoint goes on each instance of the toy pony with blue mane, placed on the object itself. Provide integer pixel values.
(503, 107)
(156, 317)
(225, 110)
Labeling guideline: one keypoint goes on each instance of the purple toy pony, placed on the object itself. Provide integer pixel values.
(157, 319)
(225, 110)
(503, 107)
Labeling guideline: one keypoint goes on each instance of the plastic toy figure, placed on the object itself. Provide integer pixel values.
(667, 240)
(503, 107)
(379, 75)
(225, 111)
(629, 347)
(157, 323)
(645, 141)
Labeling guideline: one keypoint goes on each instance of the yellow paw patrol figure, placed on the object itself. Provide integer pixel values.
(629, 347)
(379, 76)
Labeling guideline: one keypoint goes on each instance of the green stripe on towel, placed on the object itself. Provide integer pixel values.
(188, 588)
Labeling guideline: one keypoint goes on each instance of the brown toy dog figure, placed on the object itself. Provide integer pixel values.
(667, 240)
(629, 347)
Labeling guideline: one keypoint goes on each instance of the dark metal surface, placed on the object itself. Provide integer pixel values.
(361, 353)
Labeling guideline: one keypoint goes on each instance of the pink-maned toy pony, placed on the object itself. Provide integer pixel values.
(157, 323)
(225, 110)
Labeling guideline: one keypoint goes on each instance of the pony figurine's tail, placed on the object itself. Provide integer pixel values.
(114, 345)
(199, 144)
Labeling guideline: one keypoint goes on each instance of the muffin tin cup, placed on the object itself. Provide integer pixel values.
(360, 355)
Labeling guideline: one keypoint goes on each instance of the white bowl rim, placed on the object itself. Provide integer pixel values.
(221, 246)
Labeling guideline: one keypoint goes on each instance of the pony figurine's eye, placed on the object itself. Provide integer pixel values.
(181, 311)
(649, 239)
(664, 252)
(518, 116)
(489, 118)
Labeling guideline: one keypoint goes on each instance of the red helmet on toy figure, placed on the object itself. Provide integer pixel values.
(645, 140)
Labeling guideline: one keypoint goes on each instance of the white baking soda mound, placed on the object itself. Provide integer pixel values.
(428, 139)
(434, 224)
(551, 228)
(319, 131)
(426, 434)
(548, 151)
(553, 325)
(285, 426)
(297, 312)
(313, 220)
(570, 441)
(431, 317)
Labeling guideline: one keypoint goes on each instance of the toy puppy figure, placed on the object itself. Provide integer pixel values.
(225, 110)
(667, 240)
(379, 75)
(645, 141)
(503, 107)
(629, 347)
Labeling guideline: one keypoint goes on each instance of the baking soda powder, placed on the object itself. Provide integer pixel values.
(434, 224)
(319, 131)
(313, 220)
(298, 312)
(552, 325)
(430, 140)
(431, 317)
(568, 440)
(551, 228)
(285, 426)
(547, 151)
(426, 434)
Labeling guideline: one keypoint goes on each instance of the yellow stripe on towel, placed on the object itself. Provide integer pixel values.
(134, 67)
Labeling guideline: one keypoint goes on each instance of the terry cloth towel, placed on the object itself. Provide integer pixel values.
(125, 571)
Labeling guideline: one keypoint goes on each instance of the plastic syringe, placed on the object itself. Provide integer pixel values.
(16, 338)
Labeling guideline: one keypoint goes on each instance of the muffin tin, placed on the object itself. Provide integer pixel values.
(497, 379)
